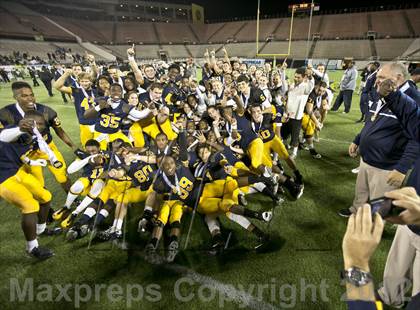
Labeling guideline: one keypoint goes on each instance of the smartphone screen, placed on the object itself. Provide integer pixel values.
(384, 207)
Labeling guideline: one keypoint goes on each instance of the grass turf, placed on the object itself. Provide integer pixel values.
(306, 246)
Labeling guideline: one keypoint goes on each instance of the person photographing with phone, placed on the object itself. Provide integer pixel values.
(402, 268)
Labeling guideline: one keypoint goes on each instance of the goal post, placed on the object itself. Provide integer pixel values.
(257, 43)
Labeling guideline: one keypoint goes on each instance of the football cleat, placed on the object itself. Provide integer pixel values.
(105, 235)
(41, 253)
(72, 234)
(296, 190)
(315, 154)
(217, 244)
(69, 220)
(146, 222)
(172, 251)
(51, 231)
(267, 216)
(57, 215)
(345, 213)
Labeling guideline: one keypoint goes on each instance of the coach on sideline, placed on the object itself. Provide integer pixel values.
(386, 151)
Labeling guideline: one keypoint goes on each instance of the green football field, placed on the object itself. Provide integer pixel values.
(299, 271)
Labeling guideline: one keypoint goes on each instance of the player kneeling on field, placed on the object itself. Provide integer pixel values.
(90, 184)
(115, 184)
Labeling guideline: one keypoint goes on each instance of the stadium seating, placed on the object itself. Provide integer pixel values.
(390, 49)
(413, 16)
(389, 23)
(340, 34)
(336, 49)
(344, 26)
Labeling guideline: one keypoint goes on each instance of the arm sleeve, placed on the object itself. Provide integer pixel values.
(357, 139)
(53, 119)
(407, 112)
(10, 134)
(78, 164)
(138, 115)
(411, 153)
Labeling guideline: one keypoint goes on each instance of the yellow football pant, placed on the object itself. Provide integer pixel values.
(86, 133)
(109, 138)
(24, 191)
(60, 174)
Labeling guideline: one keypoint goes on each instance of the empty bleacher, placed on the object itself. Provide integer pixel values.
(413, 16)
(344, 26)
(137, 32)
(389, 49)
(142, 51)
(389, 23)
(337, 49)
(179, 34)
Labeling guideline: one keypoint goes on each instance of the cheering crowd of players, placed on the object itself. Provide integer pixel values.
(163, 139)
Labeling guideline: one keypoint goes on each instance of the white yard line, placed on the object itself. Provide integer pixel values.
(240, 297)
(336, 141)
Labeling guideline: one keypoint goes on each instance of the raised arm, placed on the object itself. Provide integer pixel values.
(59, 84)
(93, 67)
(133, 65)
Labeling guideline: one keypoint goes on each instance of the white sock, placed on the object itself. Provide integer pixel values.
(118, 224)
(104, 212)
(30, 245)
(256, 187)
(212, 223)
(311, 146)
(239, 219)
(90, 212)
(70, 199)
(148, 208)
(295, 149)
(40, 228)
(83, 205)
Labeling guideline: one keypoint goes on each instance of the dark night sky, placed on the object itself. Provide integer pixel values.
(224, 9)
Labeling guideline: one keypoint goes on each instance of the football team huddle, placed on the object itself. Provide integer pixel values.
(159, 139)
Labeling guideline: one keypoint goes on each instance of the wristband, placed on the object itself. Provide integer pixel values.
(97, 108)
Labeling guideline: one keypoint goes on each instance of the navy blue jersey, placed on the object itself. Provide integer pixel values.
(110, 120)
(83, 103)
(245, 133)
(142, 174)
(214, 169)
(11, 157)
(10, 115)
(279, 110)
(264, 129)
(228, 155)
(186, 191)
(316, 100)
